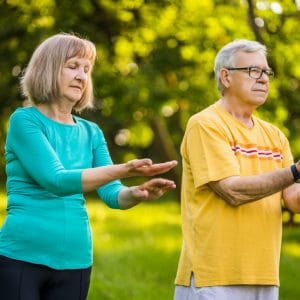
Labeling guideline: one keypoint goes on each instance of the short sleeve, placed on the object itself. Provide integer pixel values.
(209, 153)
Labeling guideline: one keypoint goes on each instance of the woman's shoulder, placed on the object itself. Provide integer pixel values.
(23, 113)
(28, 110)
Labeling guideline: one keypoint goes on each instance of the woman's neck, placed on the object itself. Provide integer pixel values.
(56, 112)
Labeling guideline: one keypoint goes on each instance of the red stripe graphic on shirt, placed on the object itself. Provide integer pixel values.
(253, 151)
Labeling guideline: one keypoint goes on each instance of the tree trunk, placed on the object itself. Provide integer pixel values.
(164, 145)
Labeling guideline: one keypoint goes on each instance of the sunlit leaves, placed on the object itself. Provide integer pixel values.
(35, 13)
(157, 57)
(138, 135)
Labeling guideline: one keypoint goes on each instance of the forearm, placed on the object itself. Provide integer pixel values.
(93, 178)
(238, 190)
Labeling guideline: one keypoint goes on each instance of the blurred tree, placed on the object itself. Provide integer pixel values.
(155, 65)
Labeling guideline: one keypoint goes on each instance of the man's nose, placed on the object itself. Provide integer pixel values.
(264, 77)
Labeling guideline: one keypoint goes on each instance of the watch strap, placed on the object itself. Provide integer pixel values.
(295, 172)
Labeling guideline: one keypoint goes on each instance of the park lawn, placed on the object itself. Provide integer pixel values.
(290, 264)
(136, 252)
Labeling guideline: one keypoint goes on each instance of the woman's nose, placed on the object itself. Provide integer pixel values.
(81, 74)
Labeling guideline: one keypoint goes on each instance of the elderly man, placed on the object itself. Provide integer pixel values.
(236, 170)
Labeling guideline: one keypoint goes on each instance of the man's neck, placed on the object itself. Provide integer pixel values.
(239, 112)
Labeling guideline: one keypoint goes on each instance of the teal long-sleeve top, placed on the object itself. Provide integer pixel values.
(47, 222)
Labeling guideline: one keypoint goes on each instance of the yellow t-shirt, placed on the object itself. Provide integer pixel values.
(222, 244)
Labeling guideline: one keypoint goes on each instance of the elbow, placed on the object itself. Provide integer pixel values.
(234, 202)
(229, 194)
(60, 187)
(56, 189)
(232, 195)
(236, 199)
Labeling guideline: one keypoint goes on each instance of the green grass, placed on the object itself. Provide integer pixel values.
(136, 252)
(290, 263)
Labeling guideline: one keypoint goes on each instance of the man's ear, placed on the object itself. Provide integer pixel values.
(225, 77)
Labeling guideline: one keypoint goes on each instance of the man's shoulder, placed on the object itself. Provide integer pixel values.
(206, 116)
(265, 123)
(269, 127)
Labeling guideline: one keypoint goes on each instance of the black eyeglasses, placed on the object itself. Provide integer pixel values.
(255, 72)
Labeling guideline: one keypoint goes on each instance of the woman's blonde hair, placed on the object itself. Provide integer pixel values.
(40, 81)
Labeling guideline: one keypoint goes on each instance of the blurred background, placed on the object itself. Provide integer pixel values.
(154, 70)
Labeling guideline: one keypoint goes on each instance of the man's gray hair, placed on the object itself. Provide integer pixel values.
(226, 56)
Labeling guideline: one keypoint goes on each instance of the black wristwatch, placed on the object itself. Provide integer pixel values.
(296, 173)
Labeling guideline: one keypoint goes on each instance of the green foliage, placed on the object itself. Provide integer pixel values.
(155, 59)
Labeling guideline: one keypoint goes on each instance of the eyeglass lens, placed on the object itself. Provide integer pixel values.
(257, 73)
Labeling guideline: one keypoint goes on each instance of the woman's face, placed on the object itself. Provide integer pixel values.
(74, 78)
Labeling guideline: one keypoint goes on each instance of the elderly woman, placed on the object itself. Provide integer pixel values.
(53, 157)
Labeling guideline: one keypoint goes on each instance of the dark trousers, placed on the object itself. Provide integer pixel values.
(25, 281)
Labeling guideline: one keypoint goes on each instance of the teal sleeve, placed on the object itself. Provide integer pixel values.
(25, 138)
(109, 192)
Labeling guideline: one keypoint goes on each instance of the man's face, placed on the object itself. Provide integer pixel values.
(244, 89)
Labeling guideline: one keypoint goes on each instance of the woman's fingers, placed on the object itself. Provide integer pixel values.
(146, 168)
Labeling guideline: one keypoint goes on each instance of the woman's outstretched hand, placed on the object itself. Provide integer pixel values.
(93, 178)
(152, 189)
(149, 190)
(145, 167)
